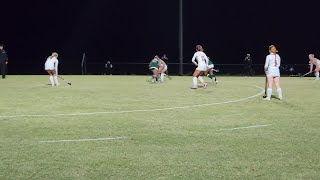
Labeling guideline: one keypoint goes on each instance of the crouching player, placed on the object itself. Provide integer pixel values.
(51, 66)
(209, 72)
(314, 62)
(162, 69)
(154, 67)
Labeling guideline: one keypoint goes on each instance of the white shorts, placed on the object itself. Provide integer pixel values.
(164, 69)
(153, 68)
(211, 66)
(49, 66)
(202, 68)
(273, 72)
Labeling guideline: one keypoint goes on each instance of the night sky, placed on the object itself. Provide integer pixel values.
(134, 31)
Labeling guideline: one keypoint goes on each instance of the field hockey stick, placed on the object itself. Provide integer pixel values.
(168, 75)
(265, 88)
(306, 74)
(64, 80)
(216, 70)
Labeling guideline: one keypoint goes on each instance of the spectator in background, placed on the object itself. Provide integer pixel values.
(248, 65)
(108, 68)
(3, 62)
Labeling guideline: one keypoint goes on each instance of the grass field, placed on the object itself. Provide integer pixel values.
(165, 131)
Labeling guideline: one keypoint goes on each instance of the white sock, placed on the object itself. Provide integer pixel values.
(55, 78)
(162, 77)
(269, 93)
(279, 93)
(195, 81)
(317, 75)
(201, 79)
(51, 80)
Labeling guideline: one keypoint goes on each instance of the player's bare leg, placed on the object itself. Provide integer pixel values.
(269, 89)
(196, 74)
(51, 74)
(279, 90)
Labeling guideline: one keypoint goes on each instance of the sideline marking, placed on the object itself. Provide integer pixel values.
(142, 110)
(247, 127)
(82, 140)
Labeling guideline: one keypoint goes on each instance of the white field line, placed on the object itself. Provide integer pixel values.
(247, 127)
(141, 110)
(82, 140)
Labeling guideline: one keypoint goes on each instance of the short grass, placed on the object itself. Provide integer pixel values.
(193, 142)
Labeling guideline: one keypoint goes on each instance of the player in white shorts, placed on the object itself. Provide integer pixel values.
(202, 66)
(272, 71)
(314, 62)
(162, 69)
(51, 66)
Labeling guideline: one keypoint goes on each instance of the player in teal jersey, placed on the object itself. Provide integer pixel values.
(154, 67)
(209, 72)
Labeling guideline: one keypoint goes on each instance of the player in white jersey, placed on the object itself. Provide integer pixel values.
(202, 65)
(272, 71)
(162, 69)
(51, 66)
(314, 62)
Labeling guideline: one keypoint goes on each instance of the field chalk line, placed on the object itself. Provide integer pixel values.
(247, 127)
(83, 140)
(141, 110)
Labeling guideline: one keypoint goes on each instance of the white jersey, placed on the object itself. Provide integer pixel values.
(202, 60)
(51, 64)
(272, 65)
(318, 62)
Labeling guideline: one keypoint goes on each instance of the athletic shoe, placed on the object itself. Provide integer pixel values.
(194, 87)
(267, 99)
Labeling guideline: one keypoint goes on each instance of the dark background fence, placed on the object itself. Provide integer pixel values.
(137, 68)
(188, 68)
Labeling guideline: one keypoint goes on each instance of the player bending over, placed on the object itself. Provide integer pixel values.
(202, 64)
(209, 72)
(154, 67)
(51, 66)
(314, 62)
(272, 71)
(162, 69)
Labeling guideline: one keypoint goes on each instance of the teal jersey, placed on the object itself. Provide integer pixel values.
(154, 63)
(210, 62)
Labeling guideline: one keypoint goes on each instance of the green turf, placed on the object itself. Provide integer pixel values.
(187, 143)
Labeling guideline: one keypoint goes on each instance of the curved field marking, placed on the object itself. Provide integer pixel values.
(247, 127)
(142, 110)
(83, 140)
